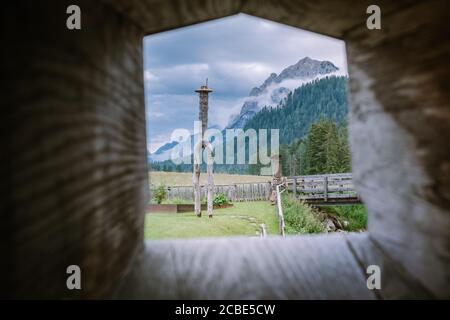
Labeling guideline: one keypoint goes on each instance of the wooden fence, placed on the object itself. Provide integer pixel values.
(235, 192)
(323, 189)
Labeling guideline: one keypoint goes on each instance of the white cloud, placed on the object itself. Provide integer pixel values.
(177, 71)
(243, 72)
(157, 114)
(223, 109)
(149, 76)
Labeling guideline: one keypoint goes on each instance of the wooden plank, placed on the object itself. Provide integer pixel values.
(333, 196)
(396, 282)
(320, 176)
(322, 187)
(330, 190)
(298, 267)
(332, 202)
(317, 180)
(320, 183)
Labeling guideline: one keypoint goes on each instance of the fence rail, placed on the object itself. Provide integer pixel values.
(324, 188)
(235, 192)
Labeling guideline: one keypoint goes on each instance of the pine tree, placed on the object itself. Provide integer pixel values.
(325, 149)
(344, 150)
(332, 149)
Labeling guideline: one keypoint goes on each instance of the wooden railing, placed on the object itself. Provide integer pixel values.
(324, 188)
(280, 211)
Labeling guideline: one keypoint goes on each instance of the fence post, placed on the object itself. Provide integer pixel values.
(263, 230)
(280, 212)
(325, 185)
(294, 188)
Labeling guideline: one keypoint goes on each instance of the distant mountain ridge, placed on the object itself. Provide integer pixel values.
(272, 91)
(166, 147)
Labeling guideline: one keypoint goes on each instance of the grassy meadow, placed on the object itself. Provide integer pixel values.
(185, 178)
(243, 219)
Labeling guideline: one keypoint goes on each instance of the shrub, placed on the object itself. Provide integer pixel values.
(355, 215)
(220, 200)
(159, 194)
(299, 217)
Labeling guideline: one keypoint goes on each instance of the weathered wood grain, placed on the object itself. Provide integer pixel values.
(308, 267)
(73, 162)
(396, 282)
(323, 188)
(73, 185)
(159, 15)
(399, 130)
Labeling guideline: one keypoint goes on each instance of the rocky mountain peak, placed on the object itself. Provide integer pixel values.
(307, 68)
(304, 69)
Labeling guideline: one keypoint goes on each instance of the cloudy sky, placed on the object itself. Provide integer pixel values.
(235, 53)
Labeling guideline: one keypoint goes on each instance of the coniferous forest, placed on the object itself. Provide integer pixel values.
(313, 128)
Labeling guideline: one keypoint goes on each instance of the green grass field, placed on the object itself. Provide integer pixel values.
(243, 219)
(185, 178)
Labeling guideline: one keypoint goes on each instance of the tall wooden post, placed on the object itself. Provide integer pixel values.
(197, 193)
(276, 176)
(203, 93)
(210, 188)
